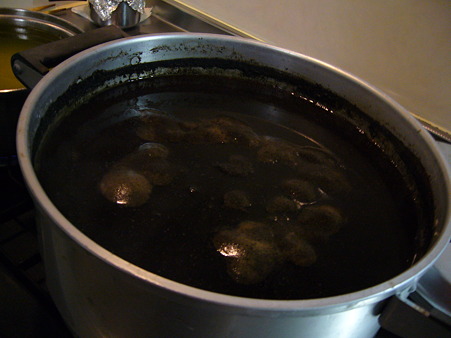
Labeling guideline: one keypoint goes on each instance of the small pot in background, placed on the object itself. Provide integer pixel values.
(21, 29)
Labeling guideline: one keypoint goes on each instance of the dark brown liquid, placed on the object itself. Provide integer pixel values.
(172, 234)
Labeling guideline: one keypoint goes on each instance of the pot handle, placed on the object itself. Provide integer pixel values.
(31, 65)
(407, 319)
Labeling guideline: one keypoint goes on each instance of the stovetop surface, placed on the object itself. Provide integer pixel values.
(26, 309)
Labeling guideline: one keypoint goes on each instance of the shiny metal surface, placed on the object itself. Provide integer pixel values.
(51, 23)
(100, 294)
(165, 18)
(98, 299)
(20, 28)
(189, 19)
(124, 16)
(435, 285)
(439, 133)
(24, 25)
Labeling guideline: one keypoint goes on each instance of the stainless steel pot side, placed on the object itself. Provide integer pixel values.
(100, 294)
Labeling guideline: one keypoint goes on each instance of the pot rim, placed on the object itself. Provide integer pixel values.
(372, 294)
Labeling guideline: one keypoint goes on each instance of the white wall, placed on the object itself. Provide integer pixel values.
(401, 46)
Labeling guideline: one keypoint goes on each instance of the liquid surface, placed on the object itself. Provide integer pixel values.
(13, 41)
(215, 184)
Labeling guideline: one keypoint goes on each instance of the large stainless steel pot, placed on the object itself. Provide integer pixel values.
(100, 294)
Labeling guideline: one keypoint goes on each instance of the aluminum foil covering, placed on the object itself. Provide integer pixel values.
(104, 8)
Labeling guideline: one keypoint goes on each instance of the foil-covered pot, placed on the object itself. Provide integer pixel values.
(122, 13)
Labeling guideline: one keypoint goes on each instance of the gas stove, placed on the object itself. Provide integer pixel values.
(26, 309)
